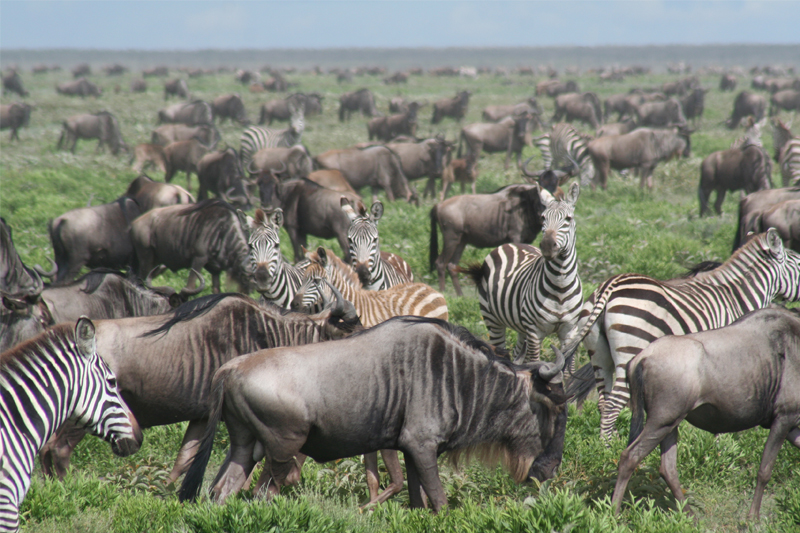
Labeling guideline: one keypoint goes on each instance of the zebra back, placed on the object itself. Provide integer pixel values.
(564, 147)
(254, 138)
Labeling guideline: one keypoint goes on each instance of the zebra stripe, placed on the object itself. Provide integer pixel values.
(629, 311)
(377, 270)
(44, 382)
(536, 295)
(254, 138)
(789, 163)
(564, 147)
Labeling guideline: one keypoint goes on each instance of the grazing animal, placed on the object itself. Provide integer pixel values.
(230, 106)
(138, 86)
(291, 163)
(14, 116)
(788, 100)
(423, 158)
(102, 126)
(660, 114)
(161, 71)
(554, 88)
(15, 278)
(185, 156)
(455, 107)
(534, 291)
(146, 155)
(508, 135)
(44, 383)
(784, 217)
(787, 152)
(12, 82)
(629, 311)
(206, 135)
(584, 107)
(680, 87)
(194, 113)
(727, 83)
(80, 87)
(620, 104)
(747, 104)
(81, 69)
(208, 234)
(387, 128)
(521, 419)
(373, 166)
(221, 173)
(255, 138)
(176, 87)
(463, 170)
(693, 104)
(362, 101)
(565, 148)
(510, 214)
(748, 168)
(150, 194)
(333, 180)
(722, 381)
(617, 128)
(280, 109)
(496, 113)
(376, 270)
(753, 205)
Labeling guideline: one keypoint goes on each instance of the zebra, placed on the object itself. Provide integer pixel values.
(254, 138)
(566, 147)
(54, 378)
(535, 292)
(376, 270)
(373, 307)
(629, 311)
(787, 153)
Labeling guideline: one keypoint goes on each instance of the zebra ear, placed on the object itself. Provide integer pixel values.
(377, 210)
(277, 217)
(323, 256)
(774, 241)
(573, 193)
(84, 337)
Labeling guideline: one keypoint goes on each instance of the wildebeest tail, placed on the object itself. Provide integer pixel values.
(193, 481)
(434, 243)
(737, 237)
(474, 271)
(581, 384)
(637, 398)
(59, 251)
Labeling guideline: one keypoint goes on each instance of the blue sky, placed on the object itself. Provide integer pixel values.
(191, 25)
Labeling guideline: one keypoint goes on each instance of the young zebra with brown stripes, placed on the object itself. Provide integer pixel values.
(377, 270)
(533, 291)
(629, 311)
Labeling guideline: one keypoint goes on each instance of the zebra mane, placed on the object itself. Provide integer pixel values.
(39, 343)
(705, 272)
(196, 308)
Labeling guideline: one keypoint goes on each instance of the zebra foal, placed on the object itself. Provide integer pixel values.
(44, 382)
(629, 311)
(533, 291)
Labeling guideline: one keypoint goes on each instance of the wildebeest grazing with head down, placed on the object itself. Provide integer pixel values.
(80, 87)
(279, 109)
(508, 135)
(229, 106)
(426, 158)
(102, 126)
(660, 114)
(553, 88)
(221, 173)
(747, 104)
(748, 167)
(176, 87)
(722, 381)
(387, 128)
(521, 420)
(788, 100)
(150, 194)
(584, 107)
(146, 155)
(12, 82)
(190, 113)
(362, 101)
(455, 107)
(784, 217)
(206, 134)
(496, 113)
(14, 116)
(753, 205)
(185, 156)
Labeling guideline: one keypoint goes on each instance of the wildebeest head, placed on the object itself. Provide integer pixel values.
(174, 297)
(362, 235)
(686, 134)
(270, 188)
(265, 247)
(558, 225)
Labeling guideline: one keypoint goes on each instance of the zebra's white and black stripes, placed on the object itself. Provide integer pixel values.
(629, 311)
(44, 382)
(787, 153)
(377, 270)
(564, 147)
(534, 292)
(254, 138)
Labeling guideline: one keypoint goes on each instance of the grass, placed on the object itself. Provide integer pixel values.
(623, 229)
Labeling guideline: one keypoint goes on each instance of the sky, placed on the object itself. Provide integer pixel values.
(193, 25)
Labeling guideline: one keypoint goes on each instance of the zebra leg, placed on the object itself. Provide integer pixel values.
(615, 401)
(497, 333)
(532, 350)
(452, 267)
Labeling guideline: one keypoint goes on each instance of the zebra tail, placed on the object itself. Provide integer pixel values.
(581, 384)
(637, 399)
(434, 242)
(193, 481)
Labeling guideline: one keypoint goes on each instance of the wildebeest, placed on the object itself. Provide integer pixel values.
(753, 205)
(722, 381)
(333, 180)
(144, 353)
(507, 136)
(176, 87)
(280, 109)
(138, 86)
(788, 99)
(102, 126)
(522, 416)
(208, 234)
(361, 100)
(785, 218)
(374, 166)
(150, 194)
(12, 82)
(81, 69)
(189, 113)
(229, 106)
(616, 128)
(80, 87)
(584, 107)
(693, 104)
(496, 113)
(14, 116)
(680, 87)
(115, 69)
(221, 173)
(309, 209)
(746, 104)
(396, 78)
(183, 155)
(511, 214)
(15, 277)
(145, 155)
(659, 114)
(620, 104)
(643, 148)
(208, 135)
(426, 158)
(727, 82)
(748, 168)
(463, 171)
(553, 88)
(387, 128)
(292, 162)
(455, 107)
(160, 71)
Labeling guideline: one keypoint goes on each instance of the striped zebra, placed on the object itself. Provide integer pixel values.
(629, 311)
(564, 147)
(254, 138)
(534, 292)
(373, 307)
(44, 382)
(787, 153)
(377, 270)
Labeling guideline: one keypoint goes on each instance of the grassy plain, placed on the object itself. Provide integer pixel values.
(623, 229)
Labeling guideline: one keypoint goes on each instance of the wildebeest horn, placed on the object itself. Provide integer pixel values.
(524, 169)
(191, 292)
(157, 271)
(548, 371)
(342, 308)
(44, 273)
(38, 285)
(251, 169)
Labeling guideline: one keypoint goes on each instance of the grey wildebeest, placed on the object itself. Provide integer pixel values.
(387, 128)
(292, 162)
(455, 107)
(753, 205)
(426, 158)
(785, 218)
(14, 116)
(81, 69)
(138, 86)
(197, 337)
(309, 209)
(553, 88)
(15, 277)
(229, 106)
(788, 100)
(748, 167)
(206, 134)
(727, 82)
(747, 104)
(12, 82)
(185, 156)
(208, 234)
(102, 126)
(680, 87)
(508, 135)
(496, 113)
(189, 113)
(80, 87)
(160, 71)
(280, 109)
(617, 128)
(660, 114)
(643, 148)
(146, 155)
(374, 166)
(333, 180)
(693, 104)
(722, 381)
(176, 87)
(584, 107)
(221, 173)
(150, 194)
(622, 104)
(511, 214)
(521, 420)
(362, 101)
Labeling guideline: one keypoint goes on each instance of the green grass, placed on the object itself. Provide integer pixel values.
(623, 229)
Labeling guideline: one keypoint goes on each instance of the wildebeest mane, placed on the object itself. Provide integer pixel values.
(199, 206)
(191, 310)
(94, 278)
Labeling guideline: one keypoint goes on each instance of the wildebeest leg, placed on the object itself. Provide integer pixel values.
(191, 439)
(794, 436)
(452, 266)
(373, 477)
(189, 180)
(777, 433)
(266, 476)
(56, 453)
(430, 187)
(720, 199)
(427, 472)
(234, 471)
(669, 464)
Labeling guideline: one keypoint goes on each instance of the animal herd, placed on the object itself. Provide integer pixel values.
(354, 355)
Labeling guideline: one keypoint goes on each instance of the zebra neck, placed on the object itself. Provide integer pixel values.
(284, 284)
(563, 270)
(377, 275)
